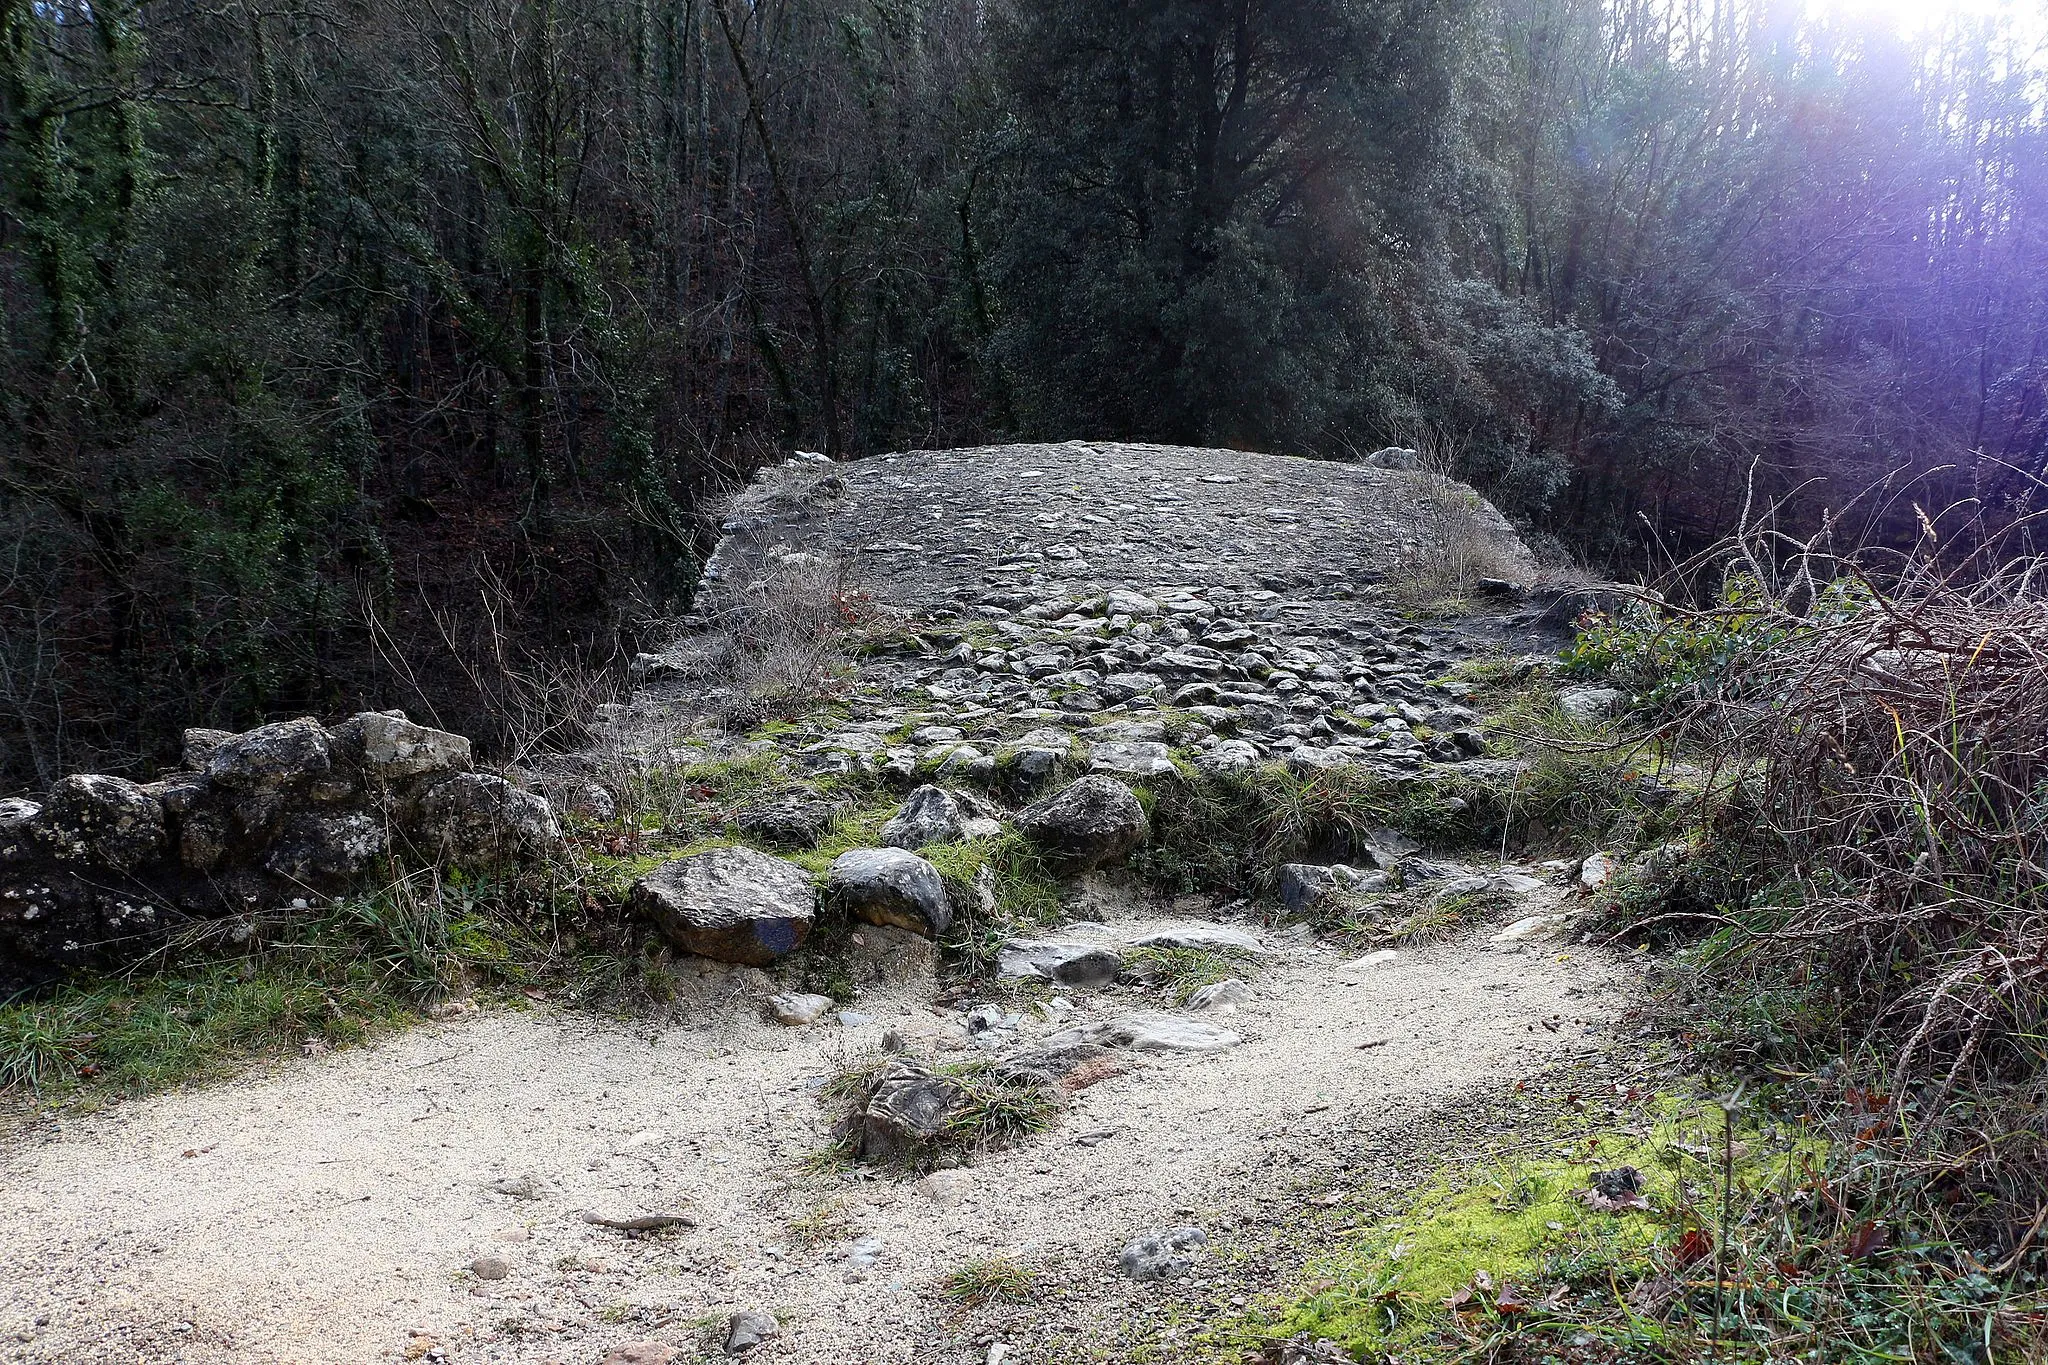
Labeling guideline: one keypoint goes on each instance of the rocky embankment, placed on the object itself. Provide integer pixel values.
(946, 1012)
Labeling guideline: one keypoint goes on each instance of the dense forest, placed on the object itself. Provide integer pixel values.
(369, 352)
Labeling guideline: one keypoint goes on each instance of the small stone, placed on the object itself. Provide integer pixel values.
(795, 1011)
(490, 1267)
(1162, 1254)
(749, 1330)
(1595, 872)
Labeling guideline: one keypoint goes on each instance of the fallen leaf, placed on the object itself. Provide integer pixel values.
(1692, 1248)
(1868, 1240)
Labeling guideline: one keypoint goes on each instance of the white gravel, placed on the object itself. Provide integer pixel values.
(328, 1210)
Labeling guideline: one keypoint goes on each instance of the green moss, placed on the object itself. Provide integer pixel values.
(1519, 1222)
(860, 827)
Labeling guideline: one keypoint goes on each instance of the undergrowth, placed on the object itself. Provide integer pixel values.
(1744, 1229)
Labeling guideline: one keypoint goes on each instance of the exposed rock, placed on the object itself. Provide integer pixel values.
(1302, 886)
(795, 1011)
(1595, 872)
(1086, 966)
(270, 757)
(905, 1112)
(1034, 757)
(1064, 1060)
(91, 818)
(17, 818)
(1564, 606)
(933, 815)
(1209, 938)
(395, 749)
(1152, 1033)
(890, 886)
(1162, 1254)
(730, 904)
(884, 955)
(1531, 927)
(748, 1330)
(199, 745)
(1230, 756)
(322, 850)
(641, 1352)
(1140, 759)
(1591, 705)
(1394, 457)
(1088, 824)
(1220, 997)
(483, 817)
(796, 821)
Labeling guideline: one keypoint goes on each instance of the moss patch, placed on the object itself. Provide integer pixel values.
(1516, 1246)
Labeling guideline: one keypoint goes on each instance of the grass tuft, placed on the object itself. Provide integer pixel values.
(988, 1280)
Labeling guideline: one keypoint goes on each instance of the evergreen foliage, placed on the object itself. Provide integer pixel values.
(370, 353)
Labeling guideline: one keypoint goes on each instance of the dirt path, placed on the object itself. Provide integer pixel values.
(329, 1211)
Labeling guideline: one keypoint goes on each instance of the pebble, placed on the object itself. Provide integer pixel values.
(748, 1330)
(1161, 1254)
(490, 1267)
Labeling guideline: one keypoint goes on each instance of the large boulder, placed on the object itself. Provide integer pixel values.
(890, 886)
(1085, 825)
(270, 757)
(482, 817)
(93, 818)
(730, 904)
(395, 749)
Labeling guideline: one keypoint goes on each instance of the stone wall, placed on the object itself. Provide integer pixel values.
(102, 870)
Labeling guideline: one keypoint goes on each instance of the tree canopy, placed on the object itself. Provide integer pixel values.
(359, 352)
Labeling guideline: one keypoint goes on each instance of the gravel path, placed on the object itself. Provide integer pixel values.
(329, 1211)
(339, 1208)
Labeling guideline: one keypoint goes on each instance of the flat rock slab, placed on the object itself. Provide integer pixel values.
(1151, 1033)
(730, 904)
(1208, 938)
(1070, 962)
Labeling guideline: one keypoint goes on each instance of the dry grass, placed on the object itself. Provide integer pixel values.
(1877, 907)
(1456, 544)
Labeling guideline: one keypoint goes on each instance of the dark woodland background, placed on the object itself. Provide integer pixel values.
(365, 352)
